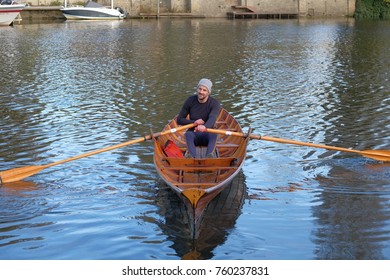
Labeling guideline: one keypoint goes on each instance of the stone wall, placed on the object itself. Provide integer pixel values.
(34, 13)
(219, 8)
(328, 8)
(302, 7)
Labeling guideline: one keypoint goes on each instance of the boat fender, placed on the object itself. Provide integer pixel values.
(171, 150)
(119, 9)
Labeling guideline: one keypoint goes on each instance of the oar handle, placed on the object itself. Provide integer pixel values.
(173, 130)
(229, 133)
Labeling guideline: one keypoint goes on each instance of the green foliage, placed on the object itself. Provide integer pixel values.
(372, 9)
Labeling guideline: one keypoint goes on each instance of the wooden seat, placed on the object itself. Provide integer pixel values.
(200, 162)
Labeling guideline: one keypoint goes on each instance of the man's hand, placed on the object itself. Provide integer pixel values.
(199, 122)
(200, 128)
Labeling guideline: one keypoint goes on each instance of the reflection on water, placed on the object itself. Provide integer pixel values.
(353, 212)
(69, 88)
(219, 218)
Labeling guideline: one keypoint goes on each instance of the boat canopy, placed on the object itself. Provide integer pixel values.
(92, 4)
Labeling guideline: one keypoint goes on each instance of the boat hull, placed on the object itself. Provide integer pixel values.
(86, 13)
(199, 180)
(8, 13)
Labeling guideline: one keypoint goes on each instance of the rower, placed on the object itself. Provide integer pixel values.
(202, 110)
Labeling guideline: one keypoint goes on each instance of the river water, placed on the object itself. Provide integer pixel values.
(72, 87)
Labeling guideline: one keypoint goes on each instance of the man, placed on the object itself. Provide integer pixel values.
(202, 110)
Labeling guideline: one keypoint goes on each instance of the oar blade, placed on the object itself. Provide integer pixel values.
(381, 155)
(19, 173)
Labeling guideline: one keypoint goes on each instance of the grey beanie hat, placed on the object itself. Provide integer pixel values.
(206, 83)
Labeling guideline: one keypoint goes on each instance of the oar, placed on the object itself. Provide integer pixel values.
(19, 173)
(381, 155)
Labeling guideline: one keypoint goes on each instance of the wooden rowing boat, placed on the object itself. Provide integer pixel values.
(199, 180)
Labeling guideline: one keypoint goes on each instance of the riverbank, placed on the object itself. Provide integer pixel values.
(41, 13)
(33, 14)
(53, 13)
(221, 8)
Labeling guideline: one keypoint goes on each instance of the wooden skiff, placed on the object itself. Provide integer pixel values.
(198, 180)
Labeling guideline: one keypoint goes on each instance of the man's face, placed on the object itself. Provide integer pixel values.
(203, 93)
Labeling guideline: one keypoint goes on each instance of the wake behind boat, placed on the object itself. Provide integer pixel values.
(9, 10)
(199, 180)
(93, 11)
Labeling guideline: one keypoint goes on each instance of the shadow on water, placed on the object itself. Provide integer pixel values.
(352, 211)
(218, 220)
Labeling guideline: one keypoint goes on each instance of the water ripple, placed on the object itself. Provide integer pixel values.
(80, 86)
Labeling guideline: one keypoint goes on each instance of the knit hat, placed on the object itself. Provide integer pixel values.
(206, 83)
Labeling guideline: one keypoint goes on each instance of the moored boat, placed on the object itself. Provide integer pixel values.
(199, 180)
(93, 11)
(9, 10)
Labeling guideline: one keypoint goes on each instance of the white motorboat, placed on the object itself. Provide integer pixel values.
(93, 11)
(9, 10)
